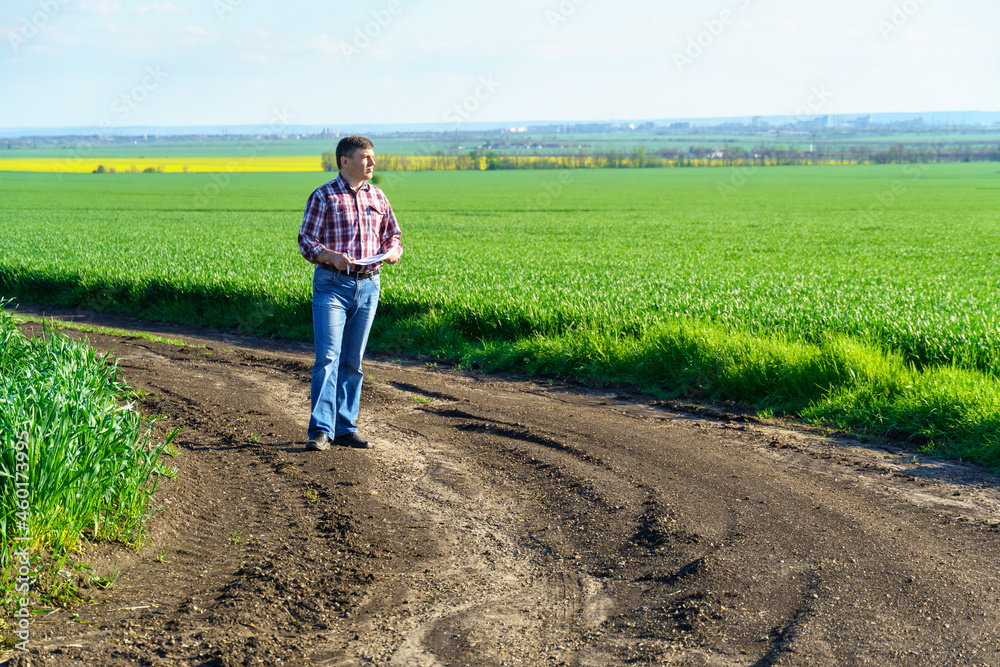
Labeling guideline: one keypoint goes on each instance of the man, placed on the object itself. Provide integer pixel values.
(346, 222)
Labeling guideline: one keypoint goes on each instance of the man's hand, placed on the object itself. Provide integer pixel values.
(338, 259)
(394, 255)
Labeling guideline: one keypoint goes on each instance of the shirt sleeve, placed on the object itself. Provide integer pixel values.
(312, 224)
(390, 237)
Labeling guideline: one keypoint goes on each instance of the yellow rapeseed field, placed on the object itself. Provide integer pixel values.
(165, 164)
(385, 163)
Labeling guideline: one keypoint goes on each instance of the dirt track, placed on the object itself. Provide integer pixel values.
(503, 521)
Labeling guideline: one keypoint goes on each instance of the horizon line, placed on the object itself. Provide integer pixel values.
(481, 125)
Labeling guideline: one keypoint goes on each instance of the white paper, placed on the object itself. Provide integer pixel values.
(371, 260)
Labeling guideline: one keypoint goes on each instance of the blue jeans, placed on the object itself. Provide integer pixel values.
(343, 311)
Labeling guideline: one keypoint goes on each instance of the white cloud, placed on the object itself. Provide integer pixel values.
(160, 8)
(98, 6)
(47, 39)
(199, 35)
(322, 43)
(455, 45)
(783, 22)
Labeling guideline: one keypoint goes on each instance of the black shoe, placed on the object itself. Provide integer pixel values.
(352, 439)
(318, 443)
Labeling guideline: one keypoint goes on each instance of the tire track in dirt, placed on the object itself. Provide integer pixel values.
(591, 488)
(492, 594)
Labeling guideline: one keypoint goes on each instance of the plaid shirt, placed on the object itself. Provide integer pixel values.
(358, 224)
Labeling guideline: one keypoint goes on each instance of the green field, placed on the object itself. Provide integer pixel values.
(860, 296)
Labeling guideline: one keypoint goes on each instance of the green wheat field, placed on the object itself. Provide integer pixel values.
(854, 296)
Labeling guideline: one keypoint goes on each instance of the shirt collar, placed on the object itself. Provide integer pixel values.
(344, 185)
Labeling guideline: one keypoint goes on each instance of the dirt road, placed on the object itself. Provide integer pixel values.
(504, 521)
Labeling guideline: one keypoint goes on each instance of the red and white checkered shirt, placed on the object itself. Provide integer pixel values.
(358, 224)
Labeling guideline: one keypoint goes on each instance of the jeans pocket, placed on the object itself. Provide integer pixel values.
(324, 281)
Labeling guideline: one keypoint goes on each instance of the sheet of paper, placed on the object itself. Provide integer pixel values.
(372, 259)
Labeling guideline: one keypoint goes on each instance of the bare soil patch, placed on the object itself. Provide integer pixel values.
(507, 521)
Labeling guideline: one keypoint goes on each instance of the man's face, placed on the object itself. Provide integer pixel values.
(359, 166)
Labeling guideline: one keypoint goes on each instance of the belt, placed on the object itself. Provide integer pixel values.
(360, 275)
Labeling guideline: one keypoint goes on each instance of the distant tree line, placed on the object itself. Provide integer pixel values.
(329, 161)
(101, 169)
(694, 156)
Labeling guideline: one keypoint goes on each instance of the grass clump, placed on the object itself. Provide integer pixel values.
(840, 380)
(77, 463)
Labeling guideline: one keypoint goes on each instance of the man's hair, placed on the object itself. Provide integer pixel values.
(347, 146)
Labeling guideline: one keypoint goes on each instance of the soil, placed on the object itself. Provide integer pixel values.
(500, 520)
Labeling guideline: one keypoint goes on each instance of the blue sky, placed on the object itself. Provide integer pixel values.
(186, 62)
